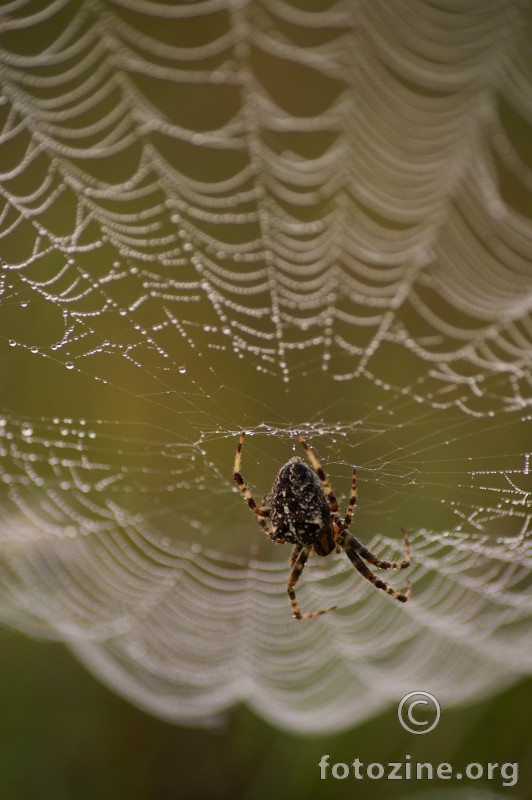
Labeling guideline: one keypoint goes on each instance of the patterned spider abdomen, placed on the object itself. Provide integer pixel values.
(299, 510)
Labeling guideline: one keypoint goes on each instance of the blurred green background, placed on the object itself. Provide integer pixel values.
(65, 737)
(121, 176)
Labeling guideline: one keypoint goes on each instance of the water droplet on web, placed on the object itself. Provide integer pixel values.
(26, 429)
(34, 349)
(69, 365)
(182, 370)
(12, 343)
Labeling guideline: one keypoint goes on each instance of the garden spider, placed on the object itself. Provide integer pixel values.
(304, 511)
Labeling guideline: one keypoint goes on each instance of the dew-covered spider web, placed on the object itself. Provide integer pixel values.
(271, 216)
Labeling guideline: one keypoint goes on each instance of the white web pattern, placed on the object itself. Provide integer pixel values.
(165, 134)
(224, 213)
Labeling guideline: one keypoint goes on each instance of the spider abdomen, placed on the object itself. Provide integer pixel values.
(303, 510)
(299, 510)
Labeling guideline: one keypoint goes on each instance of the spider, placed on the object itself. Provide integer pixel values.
(304, 511)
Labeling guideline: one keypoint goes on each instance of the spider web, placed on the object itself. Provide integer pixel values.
(277, 217)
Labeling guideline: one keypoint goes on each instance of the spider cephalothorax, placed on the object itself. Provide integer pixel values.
(304, 511)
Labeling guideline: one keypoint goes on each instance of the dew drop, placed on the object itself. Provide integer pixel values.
(69, 365)
(12, 343)
(182, 370)
(34, 349)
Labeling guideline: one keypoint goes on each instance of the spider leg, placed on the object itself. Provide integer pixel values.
(318, 469)
(298, 559)
(262, 512)
(354, 550)
(378, 562)
(352, 500)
